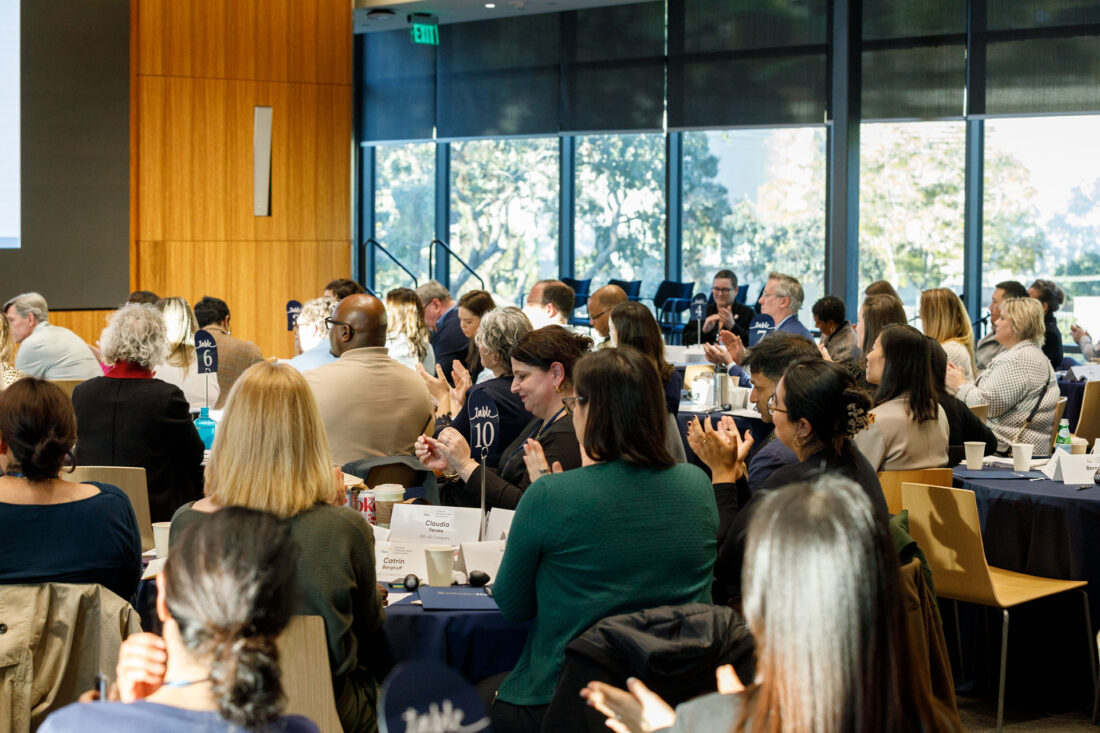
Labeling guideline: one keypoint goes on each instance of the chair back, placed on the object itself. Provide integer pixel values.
(306, 676)
(580, 294)
(944, 522)
(67, 385)
(742, 293)
(674, 440)
(132, 481)
(1088, 424)
(1059, 411)
(632, 288)
(892, 480)
(981, 412)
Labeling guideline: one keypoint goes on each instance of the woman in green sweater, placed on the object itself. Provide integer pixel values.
(630, 529)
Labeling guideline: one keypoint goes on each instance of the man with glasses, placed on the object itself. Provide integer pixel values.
(600, 304)
(371, 404)
(723, 314)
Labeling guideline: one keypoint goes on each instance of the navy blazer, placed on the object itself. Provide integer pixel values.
(448, 341)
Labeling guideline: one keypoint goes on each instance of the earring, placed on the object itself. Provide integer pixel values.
(557, 389)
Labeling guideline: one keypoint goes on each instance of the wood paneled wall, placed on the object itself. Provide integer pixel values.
(201, 66)
(85, 324)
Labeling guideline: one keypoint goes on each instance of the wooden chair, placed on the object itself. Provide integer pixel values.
(1059, 410)
(892, 480)
(306, 675)
(132, 482)
(1088, 424)
(67, 385)
(691, 371)
(981, 412)
(944, 522)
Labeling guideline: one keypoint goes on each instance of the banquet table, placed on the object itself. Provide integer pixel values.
(1074, 392)
(477, 644)
(745, 419)
(1044, 528)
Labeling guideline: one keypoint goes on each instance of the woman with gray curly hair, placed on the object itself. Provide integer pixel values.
(497, 334)
(128, 418)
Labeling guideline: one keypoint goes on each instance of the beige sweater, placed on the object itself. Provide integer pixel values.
(895, 442)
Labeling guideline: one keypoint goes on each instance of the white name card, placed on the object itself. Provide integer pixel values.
(434, 525)
(1068, 469)
(394, 560)
(381, 534)
(1088, 372)
(483, 556)
(500, 523)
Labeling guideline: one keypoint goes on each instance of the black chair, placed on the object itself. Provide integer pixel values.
(742, 293)
(632, 288)
(670, 301)
(580, 292)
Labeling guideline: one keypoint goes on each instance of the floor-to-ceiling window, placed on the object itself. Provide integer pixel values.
(754, 202)
(620, 209)
(404, 206)
(504, 214)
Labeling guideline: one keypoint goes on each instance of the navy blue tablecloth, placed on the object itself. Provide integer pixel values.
(1049, 529)
(1074, 392)
(758, 427)
(477, 644)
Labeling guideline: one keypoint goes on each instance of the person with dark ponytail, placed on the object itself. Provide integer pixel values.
(223, 602)
(51, 530)
(817, 410)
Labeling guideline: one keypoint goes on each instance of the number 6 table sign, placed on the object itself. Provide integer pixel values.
(484, 431)
(206, 351)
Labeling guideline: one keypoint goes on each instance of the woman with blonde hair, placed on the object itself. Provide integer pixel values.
(8, 372)
(181, 367)
(271, 453)
(407, 337)
(945, 320)
(1019, 385)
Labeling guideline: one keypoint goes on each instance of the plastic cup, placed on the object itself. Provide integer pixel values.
(975, 451)
(1021, 456)
(1080, 446)
(160, 537)
(441, 562)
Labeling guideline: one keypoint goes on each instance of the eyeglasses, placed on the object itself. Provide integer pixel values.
(330, 322)
(721, 290)
(594, 317)
(570, 403)
(772, 407)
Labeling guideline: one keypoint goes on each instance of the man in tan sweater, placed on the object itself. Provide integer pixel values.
(371, 404)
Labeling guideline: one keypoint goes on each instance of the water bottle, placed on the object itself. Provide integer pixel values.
(205, 426)
(1064, 441)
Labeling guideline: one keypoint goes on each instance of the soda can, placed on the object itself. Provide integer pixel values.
(351, 499)
(367, 506)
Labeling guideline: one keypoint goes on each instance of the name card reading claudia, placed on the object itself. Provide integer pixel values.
(447, 525)
(394, 560)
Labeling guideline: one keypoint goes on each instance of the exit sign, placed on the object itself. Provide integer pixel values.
(427, 33)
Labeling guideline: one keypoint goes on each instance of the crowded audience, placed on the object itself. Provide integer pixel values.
(609, 517)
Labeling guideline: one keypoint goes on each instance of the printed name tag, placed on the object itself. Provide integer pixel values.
(483, 556)
(394, 560)
(434, 525)
(500, 523)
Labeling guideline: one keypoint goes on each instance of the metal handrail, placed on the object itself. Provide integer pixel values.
(399, 263)
(452, 253)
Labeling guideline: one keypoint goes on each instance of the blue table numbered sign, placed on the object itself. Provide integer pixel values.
(761, 326)
(206, 353)
(699, 314)
(484, 437)
(423, 696)
(293, 309)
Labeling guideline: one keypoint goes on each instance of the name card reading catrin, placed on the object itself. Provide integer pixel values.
(394, 560)
(434, 525)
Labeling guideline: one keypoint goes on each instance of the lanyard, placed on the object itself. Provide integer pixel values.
(537, 433)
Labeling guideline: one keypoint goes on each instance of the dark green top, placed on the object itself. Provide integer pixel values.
(598, 541)
(335, 581)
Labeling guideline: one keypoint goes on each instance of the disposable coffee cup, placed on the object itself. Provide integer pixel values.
(975, 451)
(385, 496)
(1021, 456)
(160, 537)
(441, 561)
(1080, 446)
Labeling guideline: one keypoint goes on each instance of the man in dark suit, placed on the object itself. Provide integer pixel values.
(722, 313)
(441, 313)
